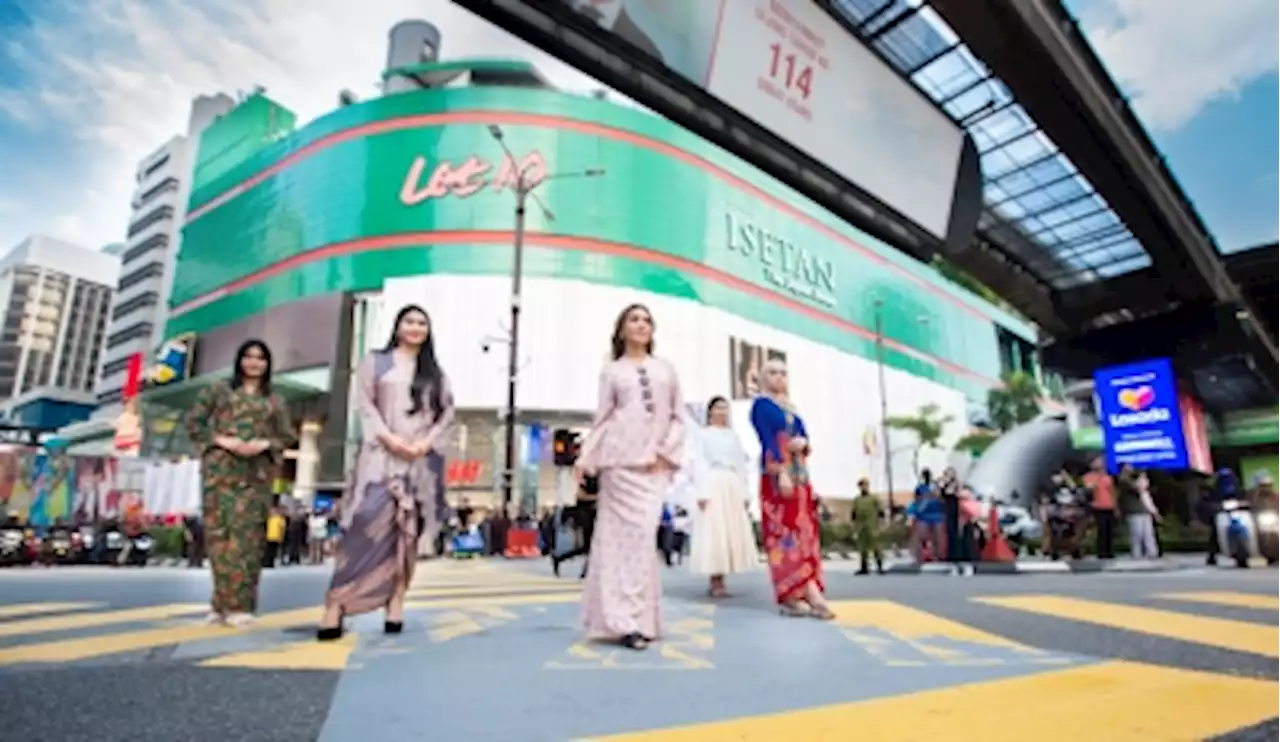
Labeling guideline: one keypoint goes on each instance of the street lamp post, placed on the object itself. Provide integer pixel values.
(884, 407)
(524, 191)
(884, 399)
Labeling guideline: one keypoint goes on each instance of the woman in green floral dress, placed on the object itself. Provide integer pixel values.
(241, 429)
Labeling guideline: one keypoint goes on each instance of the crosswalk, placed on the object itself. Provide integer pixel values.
(449, 601)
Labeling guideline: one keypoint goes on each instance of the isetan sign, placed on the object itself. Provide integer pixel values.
(785, 265)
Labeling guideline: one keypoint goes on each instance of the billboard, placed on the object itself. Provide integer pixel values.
(792, 68)
(1140, 417)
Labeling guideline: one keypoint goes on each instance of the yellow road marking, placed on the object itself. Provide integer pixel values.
(925, 637)
(1235, 600)
(70, 650)
(910, 624)
(86, 620)
(1124, 702)
(1240, 636)
(447, 592)
(308, 655)
(32, 609)
(498, 600)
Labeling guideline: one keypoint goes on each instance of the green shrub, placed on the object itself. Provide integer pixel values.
(170, 541)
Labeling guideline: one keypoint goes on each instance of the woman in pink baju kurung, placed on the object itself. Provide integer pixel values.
(635, 444)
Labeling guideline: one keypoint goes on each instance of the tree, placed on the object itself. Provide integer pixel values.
(1017, 402)
(927, 424)
(976, 442)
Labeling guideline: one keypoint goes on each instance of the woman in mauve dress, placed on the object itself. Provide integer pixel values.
(241, 430)
(406, 409)
(789, 513)
(636, 443)
(723, 541)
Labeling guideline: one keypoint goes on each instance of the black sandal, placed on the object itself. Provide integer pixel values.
(392, 627)
(635, 641)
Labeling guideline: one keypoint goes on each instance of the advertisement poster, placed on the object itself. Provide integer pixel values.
(1140, 417)
(746, 362)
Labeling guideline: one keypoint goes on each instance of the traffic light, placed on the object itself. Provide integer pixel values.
(565, 447)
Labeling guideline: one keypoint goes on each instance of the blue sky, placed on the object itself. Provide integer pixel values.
(89, 87)
(1202, 78)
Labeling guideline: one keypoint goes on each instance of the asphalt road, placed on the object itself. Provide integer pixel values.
(491, 652)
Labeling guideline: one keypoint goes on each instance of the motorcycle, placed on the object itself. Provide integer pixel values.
(56, 547)
(140, 548)
(82, 541)
(112, 546)
(1068, 519)
(13, 547)
(1238, 532)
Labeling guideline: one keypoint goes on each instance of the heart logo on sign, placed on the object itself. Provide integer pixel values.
(1137, 399)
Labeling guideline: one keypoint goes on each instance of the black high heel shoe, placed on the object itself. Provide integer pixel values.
(392, 627)
(635, 641)
(331, 633)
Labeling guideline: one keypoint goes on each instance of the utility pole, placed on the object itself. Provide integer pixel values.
(884, 408)
(524, 191)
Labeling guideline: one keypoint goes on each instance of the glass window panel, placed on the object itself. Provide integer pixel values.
(1004, 125)
(912, 42)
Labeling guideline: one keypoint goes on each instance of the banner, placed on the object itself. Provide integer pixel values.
(1140, 417)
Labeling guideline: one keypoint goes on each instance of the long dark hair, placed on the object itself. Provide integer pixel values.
(237, 371)
(426, 371)
(619, 342)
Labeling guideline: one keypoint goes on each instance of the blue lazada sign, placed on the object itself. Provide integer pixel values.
(1138, 414)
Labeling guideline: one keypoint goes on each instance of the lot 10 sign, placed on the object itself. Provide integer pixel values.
(1138, 413)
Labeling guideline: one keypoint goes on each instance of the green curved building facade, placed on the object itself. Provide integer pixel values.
(414, 183)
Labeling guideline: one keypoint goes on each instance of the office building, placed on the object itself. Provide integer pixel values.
(146, 260)
(56, 299)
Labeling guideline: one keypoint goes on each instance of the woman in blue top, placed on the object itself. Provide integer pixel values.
(789, 517)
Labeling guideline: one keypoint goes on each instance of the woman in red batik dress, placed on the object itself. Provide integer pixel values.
(787, 506)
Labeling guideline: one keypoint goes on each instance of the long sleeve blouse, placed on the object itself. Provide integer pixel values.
(639, 417)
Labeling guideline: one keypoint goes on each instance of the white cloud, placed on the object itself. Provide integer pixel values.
(119, 75)
(1176, 56)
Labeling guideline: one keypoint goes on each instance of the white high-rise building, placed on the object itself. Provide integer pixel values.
(55, 298)
(146, 262)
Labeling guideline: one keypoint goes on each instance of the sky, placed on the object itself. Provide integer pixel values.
(90, 87)
(1202, 77)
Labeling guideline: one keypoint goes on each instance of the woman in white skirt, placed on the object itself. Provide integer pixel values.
(723, 541)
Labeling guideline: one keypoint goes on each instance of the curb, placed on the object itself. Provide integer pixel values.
(1083, 566)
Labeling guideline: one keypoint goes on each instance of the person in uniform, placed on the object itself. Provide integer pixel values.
(866, 528)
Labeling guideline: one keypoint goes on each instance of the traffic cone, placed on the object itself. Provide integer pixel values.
(996, 549)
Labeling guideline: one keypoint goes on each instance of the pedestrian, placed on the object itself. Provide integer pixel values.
(295, 536)
(635, 444)
(582, 516)
(949, 499)
(789, 513)
(680, 523)
(1103, 501)
(666, 534)
(193, 537)
(1140, 514)
(723, 541)
(406, 409)
(241, 430)
(927, 526)
(317, 535)
(276, 526)
(866, 528)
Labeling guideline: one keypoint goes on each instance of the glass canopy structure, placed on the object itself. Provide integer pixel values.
(1038, 209)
